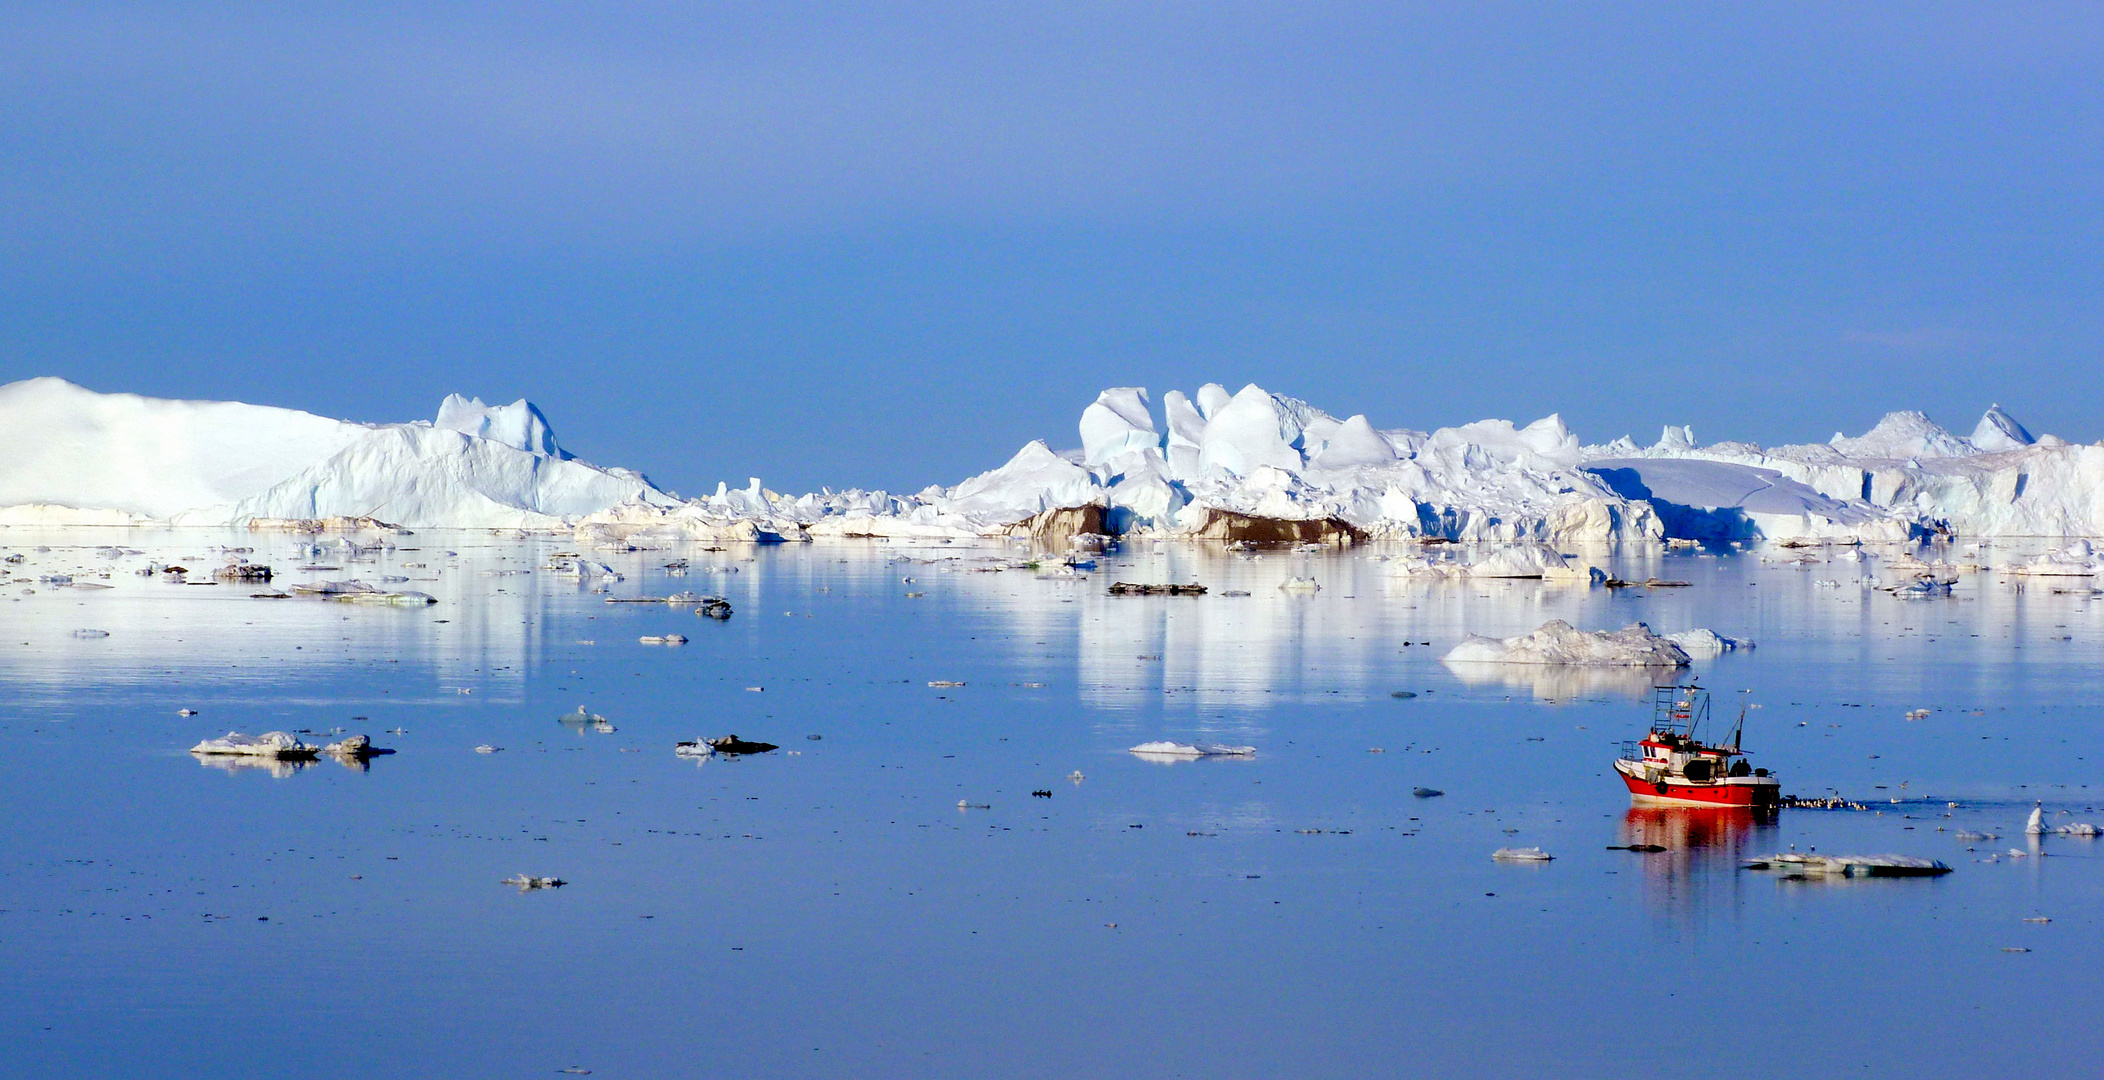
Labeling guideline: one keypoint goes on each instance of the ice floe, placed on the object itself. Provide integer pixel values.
(1811, 865)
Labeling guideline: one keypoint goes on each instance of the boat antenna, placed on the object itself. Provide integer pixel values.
(1740, 729)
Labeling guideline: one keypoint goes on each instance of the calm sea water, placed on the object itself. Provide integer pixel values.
(828, 910)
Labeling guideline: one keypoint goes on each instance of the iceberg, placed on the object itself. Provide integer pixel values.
(1558, 642)
(274, 744)
(126, 459)
(1250, 465)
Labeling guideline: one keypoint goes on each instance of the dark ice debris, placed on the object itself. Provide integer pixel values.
(1427, 792)
(1127, 588)
(1636, 847)
(731, 744)
(1041, 793)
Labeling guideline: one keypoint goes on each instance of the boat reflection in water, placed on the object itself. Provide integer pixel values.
(1704, 848)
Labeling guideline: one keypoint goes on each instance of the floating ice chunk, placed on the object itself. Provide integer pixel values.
(1702, 642)
(486, 748)
(663, 639)
(1521, 854)
(1426, 792)
(1849, 865)
(2036, 826)
(733, 745)
(357, 748)
(1558, 642)
(85, 633)
(1192, 750)
(273, 744)
(694, 748)
(2077, 828)
(527, 882)
(2078, 559)
(1299, 585)
(334, 588)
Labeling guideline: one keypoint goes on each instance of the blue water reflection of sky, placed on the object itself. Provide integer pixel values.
(835, 910)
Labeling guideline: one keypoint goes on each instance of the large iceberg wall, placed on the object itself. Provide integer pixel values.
(1211, 463)
(1906, 476)
(83, 457)
(1211, 460)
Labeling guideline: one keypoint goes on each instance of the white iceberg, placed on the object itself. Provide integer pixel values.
(1521, 854)
(1558, 642)
(273, 744)
(127, 459)
(1205, 459)
(1703, 642)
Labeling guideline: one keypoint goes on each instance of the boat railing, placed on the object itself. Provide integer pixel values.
(1630, 751)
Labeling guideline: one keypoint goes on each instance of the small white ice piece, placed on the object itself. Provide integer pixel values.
(1193, 750)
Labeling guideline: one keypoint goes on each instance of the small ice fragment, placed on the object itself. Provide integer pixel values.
(186, 712)
(1076, 776)
(1521, 854)
(1193, 750)
(1299, 585)
(486, 748)
(91, 633)
(694, 748)
(731, 744)
(943, 683)
(527, 882)
(1426, 792)
(357, 747)
(964, 804)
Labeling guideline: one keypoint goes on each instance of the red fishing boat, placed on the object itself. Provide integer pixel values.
(1671, 766)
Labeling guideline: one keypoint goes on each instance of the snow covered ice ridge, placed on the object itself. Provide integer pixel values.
(1251, 465)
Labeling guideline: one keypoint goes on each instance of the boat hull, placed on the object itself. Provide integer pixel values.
(1733, 791)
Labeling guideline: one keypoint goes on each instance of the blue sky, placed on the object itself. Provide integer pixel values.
(861, 244)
